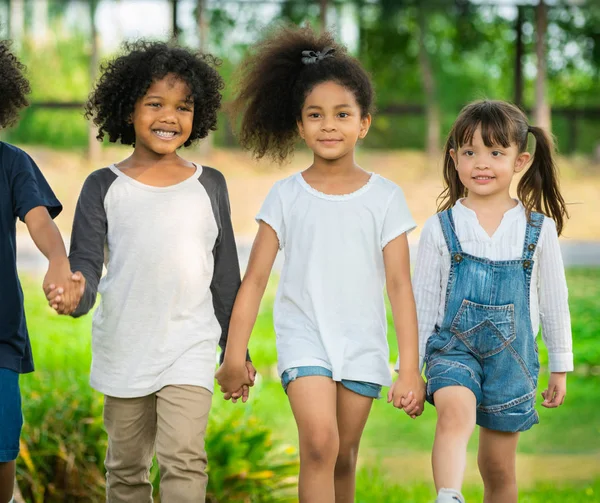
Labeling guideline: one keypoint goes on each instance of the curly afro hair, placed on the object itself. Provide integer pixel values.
(14, 87)
(125, 79)
(274, 82)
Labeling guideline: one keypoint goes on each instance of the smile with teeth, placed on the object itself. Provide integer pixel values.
(164, 134)
(483, 177)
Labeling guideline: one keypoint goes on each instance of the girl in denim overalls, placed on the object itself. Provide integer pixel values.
(488, 269)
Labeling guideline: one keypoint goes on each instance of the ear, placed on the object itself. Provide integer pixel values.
(452, 153)
(521, 161)
(365, 124)
(300, 128)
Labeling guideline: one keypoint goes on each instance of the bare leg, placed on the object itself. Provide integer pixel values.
(455, 407)
(496, 460)
(7, 480)
(313, 401)
(352, 413)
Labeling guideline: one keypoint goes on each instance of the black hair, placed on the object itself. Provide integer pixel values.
(125, 79)
(14, 87)
(274, 82)
(503, 123)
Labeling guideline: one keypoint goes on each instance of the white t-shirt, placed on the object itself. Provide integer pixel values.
(172, 275)
(548, 290)
(329, 310)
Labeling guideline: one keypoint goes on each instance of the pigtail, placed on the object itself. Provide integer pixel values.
(453, 187)
(539, 189)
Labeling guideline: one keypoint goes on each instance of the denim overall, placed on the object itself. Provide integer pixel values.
(486, 342)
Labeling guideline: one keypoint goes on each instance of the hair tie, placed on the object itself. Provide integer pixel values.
(529, 129)
(312, 57)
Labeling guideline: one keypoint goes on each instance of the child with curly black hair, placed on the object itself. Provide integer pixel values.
(343, 231)
(24, 194)
(172, 269)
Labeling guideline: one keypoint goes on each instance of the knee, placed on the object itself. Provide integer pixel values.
(496, 473)
(453, 418)
(346, 460)
(321, 448)
(125, 460)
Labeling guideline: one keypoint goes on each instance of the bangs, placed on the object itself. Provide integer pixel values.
(497, 127)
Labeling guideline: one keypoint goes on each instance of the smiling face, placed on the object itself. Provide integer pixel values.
(332, 122)
(487, 170)
(163, 117)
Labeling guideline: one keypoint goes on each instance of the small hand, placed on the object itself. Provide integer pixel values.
(232, 378)
(554, 394)
(244, 392)
(64, 299)
(408, 393)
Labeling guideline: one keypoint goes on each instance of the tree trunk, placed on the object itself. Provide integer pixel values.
(323, 16)
(542, 109)
(431, 105)
(93, 144)
(39, 28)
(17, 22)
(518, 97)
(174, 23)
(206, 145)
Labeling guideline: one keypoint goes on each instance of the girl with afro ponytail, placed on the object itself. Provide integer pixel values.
(343, 232)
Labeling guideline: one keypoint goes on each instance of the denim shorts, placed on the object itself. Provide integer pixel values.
(368, 389)
(11, 417)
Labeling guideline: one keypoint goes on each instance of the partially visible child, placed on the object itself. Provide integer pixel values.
(24, 194)
(162, 226)
(488, 270)
(343, 231)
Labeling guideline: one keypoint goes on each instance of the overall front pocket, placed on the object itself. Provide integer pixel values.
(485, 330)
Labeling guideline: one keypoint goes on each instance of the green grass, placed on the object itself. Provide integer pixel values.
(64, 415)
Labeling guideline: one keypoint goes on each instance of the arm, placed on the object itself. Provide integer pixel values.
(554, 314)
(89, 236)
(427, 283)
(48, 240)
(233, 374)
(399, 288)
(226, 274)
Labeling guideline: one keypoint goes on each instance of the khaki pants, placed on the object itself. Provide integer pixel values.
(171, 421)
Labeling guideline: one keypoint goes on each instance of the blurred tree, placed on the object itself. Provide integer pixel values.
(542, 108)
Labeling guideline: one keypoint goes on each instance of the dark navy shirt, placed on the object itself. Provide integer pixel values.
(22, 188)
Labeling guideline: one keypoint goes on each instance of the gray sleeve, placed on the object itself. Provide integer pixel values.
(226, 276)
(89, 235)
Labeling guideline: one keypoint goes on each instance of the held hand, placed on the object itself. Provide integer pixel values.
(63, 289)
(408, 393)
(65, 299)
(245, 391)
(554, 395)
(233, 378)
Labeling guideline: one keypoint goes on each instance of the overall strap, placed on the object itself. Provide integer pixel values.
(532, 234)
(447, 223)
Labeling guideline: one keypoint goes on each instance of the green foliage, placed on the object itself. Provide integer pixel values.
(245, 464)
(584, 302)
(250, 457)
(471, 47)
(372, 485)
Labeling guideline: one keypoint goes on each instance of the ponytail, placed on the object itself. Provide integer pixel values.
(275, 78)
(539, 189)
(453, 187)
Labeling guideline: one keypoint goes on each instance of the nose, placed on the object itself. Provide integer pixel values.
(168, 115)
(328, 124)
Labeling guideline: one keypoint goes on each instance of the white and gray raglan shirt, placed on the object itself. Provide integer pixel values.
(172, 277)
